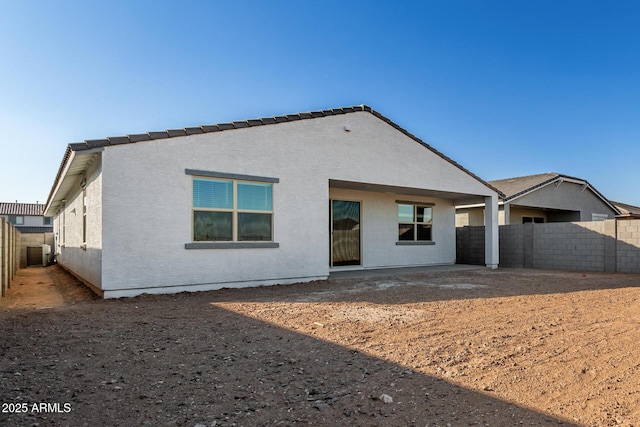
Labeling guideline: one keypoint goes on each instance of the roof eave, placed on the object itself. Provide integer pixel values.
(72, 168)
(90, 147)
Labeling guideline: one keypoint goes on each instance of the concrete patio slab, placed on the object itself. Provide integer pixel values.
(397, 271)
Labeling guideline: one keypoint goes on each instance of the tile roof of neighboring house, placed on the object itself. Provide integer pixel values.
(516, 187)
(627, 210)
(25, 209)
(512, 187)
(31, 229)
(171, 133)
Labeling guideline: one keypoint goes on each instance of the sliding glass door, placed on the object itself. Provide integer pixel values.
(345, 233)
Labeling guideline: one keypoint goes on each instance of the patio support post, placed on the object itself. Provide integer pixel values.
(507, 213)
(491, 250)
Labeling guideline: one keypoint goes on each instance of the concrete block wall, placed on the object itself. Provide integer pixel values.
(512, 249)
(612, 246)
(470, 245)
(33, 239)
(569, 246)
(628, 247)
(9, 258)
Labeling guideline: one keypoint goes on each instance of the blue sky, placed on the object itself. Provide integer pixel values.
(505, 88)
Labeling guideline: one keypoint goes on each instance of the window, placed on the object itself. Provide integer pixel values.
(599, 217)
(16, 220)
(47, 220)
(232, 210)
(534, 219)
(415, 222)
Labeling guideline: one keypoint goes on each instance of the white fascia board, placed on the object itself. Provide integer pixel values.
(53, 198)
(477, 205)
(573, 181)
(53, 202)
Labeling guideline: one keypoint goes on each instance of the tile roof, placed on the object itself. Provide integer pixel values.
(512, 187)
(625, 209)
(172, 133)
(24, 209)
(220, 127)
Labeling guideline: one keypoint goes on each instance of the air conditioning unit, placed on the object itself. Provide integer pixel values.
(46, 254)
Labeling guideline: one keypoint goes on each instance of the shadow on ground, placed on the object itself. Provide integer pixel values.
(156, 361)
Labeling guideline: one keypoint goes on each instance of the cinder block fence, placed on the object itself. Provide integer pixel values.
(610, 246)
(9, 254)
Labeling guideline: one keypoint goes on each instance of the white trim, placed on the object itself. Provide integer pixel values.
(477, 205)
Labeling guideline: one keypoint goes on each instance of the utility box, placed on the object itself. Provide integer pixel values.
(46, 254)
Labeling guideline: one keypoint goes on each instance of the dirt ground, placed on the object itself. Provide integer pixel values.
(486, 348)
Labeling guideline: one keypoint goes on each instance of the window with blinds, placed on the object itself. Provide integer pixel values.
(231, 210)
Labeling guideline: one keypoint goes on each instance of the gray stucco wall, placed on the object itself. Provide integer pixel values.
(28, 220)
(567, 202)
(566, 196)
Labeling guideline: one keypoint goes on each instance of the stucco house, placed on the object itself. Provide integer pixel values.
(26, 217)
(627, 211)
(36, 231)
(275, 200)
(547, 197)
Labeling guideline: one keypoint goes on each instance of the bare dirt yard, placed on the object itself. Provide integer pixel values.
(478, 347)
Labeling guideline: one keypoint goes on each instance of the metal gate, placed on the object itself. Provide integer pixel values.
(34, 255)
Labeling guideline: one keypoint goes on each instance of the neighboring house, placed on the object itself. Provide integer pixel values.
(26, 217)
(35, 228)
(547, 197)
(627, 211)
(268, 201)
